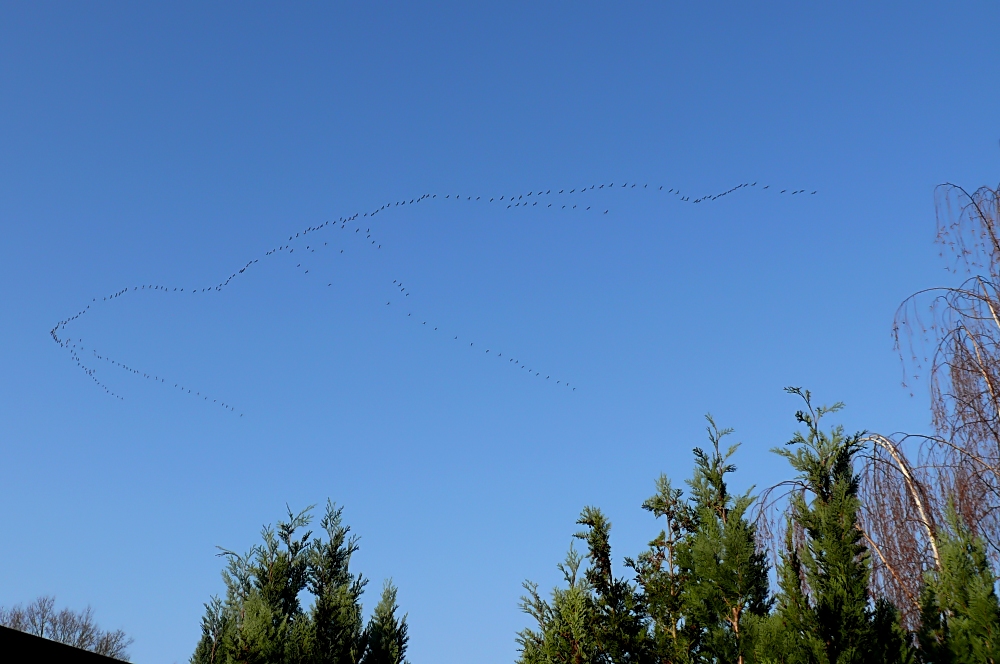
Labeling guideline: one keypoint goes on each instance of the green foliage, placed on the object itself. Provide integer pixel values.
(663, 580)
(386, 636)
(261, 620)
(619, 619)
(565, 626)
(699, 591)
(960, 611)
(823, 603)
(727, 584)
(338, 634)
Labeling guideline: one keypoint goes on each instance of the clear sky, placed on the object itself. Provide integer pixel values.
(170, 144)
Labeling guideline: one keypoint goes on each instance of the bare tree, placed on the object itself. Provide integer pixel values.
(75, 629)
(951, 335)
(900, 517)
(908, 483)
(962, 330)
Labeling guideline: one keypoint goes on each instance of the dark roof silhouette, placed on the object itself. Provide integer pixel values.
(36, 649)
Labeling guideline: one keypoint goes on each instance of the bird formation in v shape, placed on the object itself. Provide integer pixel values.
(312, 239)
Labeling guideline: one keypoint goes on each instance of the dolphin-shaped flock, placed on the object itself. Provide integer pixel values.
(308, 241)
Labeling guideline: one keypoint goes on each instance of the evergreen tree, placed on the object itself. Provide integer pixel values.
(960, 613)
(823, 604)
(599, 619)
(386, 635)
(619, 620)
(659, 574)
(261, 619)
(699, 590)
(565, 626)
(726, 575)
(262, 607)
(214, 628)
(336, 614)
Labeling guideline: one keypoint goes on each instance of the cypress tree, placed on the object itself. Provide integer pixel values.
(598, 619)
(261, 610)
(338, 635)
(214, 627)
(662, 579)
(261, 620)
(960, 613)
(699, 593)
(726, 575)
(823, 605)
(386, 634)
(619, 617)
(564, 631)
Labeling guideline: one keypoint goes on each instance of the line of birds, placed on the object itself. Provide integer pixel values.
(158, 379)
(516, 200)
(403, 291)
(497, 354)
(74, 347)
(524, 201)
(343, 221)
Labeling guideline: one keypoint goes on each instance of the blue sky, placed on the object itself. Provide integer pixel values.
(148, 144)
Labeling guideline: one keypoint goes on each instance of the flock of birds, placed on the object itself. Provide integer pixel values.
(569, 199)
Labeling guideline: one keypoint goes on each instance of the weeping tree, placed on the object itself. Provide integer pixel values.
(262, 619)
(950, 336)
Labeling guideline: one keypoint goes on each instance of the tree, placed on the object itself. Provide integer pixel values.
(387, 634)
(950, 335)
(564, 634)
(823, 605)
(337, 623)
(698, 594)
(725, 573)
(960, 618)
(77, 629)
(262, 620)
(663, 580)
(619, 616)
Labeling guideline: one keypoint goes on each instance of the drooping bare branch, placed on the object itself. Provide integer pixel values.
(950, 334)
